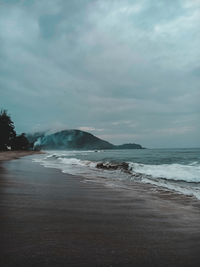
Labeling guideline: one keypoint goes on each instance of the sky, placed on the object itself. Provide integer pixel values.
(124, 70)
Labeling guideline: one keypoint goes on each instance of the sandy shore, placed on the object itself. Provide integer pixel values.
(9, 155)
(53, 219)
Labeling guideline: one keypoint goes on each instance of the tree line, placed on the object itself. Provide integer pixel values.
(9, 140)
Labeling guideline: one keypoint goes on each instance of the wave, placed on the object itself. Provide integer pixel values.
(177, 172)
(179, 177)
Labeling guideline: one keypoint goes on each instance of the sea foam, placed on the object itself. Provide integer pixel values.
(179, 177)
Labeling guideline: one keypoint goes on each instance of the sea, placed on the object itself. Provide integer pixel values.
(176, 170)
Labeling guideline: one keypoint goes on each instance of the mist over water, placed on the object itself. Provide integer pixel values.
(171, 169)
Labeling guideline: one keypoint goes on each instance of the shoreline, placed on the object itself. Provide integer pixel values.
(50, 218)
(10, 155)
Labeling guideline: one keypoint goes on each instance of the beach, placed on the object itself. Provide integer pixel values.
(50, 218)
(9, 155)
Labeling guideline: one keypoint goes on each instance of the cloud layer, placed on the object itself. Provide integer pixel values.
(128, 71)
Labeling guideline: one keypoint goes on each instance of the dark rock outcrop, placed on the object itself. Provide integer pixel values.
(113, 166)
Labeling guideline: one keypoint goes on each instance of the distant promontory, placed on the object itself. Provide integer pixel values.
(73, 139)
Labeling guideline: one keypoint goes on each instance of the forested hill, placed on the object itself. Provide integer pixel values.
(74, 139)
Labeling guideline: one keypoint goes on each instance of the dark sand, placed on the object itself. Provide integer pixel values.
(9, 155)
(52, 219)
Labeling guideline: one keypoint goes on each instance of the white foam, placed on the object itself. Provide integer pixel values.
(183, 189)
(177, 172)
(178, 177)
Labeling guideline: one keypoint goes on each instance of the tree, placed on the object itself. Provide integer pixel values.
(7, 130)
(21, 142)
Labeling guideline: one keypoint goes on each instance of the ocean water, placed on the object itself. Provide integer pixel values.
(171, 169)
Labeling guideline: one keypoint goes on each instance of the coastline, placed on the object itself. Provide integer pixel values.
(53, 219)
(10, 155)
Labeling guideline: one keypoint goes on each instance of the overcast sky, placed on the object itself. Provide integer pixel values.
(124, 70)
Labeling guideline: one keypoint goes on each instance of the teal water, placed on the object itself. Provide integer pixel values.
(171, 169)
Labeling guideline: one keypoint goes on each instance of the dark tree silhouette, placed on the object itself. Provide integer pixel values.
(8, 137)
(21, 142)
(7, 131)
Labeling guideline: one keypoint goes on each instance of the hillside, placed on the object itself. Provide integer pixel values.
(73, 139)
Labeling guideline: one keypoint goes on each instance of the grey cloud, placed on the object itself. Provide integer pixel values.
(95, 63)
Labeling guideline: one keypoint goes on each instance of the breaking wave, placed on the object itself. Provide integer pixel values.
(177, 172)
(182, 178)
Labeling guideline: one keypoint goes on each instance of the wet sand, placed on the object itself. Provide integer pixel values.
(48, 218)
(9, 155)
